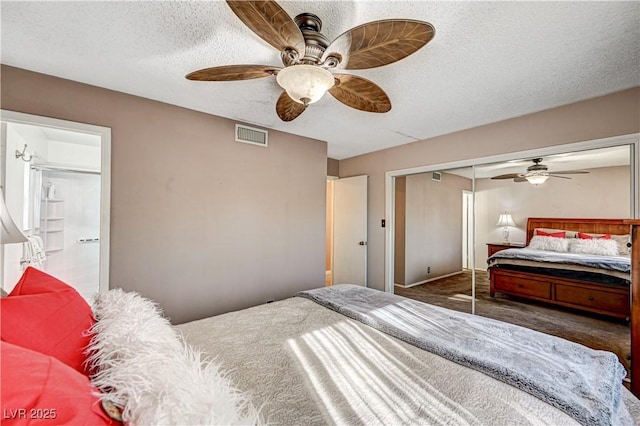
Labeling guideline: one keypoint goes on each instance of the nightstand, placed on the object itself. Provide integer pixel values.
(496, 247)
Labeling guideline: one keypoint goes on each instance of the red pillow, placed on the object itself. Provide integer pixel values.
(46, 315)
(40, 390)
(591, 237)
(561, 234)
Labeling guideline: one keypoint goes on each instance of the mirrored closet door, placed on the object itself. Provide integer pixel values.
(588, 191)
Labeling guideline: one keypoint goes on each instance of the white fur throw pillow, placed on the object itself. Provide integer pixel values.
(142, 366)
(539, 242)
(597, 246)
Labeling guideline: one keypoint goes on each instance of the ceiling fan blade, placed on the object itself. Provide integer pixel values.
(520, 179)
(271, 23)
(287, 108)
(360, 93)
(232, 73)
(379, 43)
(571, 172)
(508, 176)
(555, 175)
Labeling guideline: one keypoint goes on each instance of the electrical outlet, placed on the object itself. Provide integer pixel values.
(428, 269)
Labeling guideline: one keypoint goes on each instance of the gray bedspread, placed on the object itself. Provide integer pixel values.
(304, 364)
(610, 263)
(582, 382)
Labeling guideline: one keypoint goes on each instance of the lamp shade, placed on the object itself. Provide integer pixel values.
(505, 219)
(305, 84)
(9, 232)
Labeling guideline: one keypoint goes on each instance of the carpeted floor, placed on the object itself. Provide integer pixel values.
(591, 330)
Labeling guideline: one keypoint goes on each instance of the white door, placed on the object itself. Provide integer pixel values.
(350, 231)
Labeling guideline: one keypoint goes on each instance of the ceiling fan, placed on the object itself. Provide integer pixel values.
(538, 173)
(308, 56)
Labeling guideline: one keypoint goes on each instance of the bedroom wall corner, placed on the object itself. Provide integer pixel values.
(199, 223)
(333, 167)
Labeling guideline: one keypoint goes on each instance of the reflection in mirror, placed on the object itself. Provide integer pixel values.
(432, 238)
(588, 306)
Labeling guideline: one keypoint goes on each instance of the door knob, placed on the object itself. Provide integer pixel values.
(362, 243)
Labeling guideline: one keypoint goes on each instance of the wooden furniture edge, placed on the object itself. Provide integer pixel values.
(497, 275)
(593, 226)
(635, 304)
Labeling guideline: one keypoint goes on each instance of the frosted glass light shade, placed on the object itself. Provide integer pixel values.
(9, 232)
(537, 179)
(305, 84)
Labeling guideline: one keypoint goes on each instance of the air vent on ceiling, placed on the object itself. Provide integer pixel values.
(251, 135)
(437, 176)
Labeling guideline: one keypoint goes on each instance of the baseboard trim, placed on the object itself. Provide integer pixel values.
(430, 279)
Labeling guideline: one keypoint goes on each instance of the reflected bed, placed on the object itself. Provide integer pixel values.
(598, 287)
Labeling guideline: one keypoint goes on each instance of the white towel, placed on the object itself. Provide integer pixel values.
(34, 253)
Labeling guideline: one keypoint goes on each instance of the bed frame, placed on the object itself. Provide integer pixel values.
(574, 293)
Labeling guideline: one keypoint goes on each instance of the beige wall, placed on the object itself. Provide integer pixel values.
(603, 193)
(611, 115)
(199, 223)
(433, 226)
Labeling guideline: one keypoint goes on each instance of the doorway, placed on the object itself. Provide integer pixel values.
(467, 230)
(56, 176)
(329, 234)
(346, 255)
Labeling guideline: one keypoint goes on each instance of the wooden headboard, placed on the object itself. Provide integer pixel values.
(594, 226)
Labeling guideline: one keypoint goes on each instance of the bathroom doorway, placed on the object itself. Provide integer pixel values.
(55, 176)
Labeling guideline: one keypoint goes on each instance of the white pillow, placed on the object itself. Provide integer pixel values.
(539, 242)
(597, 246)
(143, 367)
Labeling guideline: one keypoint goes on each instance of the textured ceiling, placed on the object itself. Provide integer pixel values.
(488, 61)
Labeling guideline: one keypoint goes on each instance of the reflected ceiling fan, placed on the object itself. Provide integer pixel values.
(538, 173)
(308, 56)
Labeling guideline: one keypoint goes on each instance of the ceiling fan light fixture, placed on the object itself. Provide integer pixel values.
(537, 179)
(305, 84)
(306, 54)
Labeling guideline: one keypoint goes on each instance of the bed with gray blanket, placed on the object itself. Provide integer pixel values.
(577, 273)
(351, 355)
